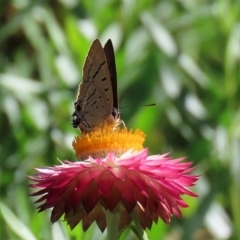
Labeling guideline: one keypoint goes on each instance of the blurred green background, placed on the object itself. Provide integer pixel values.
(182, 55)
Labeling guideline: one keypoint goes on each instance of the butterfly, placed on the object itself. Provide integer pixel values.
(97, 99)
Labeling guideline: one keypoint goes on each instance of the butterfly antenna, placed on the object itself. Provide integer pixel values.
(145, 105)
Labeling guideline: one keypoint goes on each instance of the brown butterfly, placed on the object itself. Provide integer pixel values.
(97, 99)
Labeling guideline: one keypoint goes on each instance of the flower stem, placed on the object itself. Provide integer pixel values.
(113, 218)
(137, 229)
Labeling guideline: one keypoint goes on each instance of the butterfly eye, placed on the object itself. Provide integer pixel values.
(78, 107)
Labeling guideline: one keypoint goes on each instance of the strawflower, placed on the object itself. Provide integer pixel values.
(114, 183)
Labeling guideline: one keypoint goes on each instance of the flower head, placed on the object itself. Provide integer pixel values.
(114, 173)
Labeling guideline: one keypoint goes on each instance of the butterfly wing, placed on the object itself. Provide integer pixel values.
(109, 52)
(95, 99)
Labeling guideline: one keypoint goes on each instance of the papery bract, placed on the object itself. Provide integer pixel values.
(150, 187)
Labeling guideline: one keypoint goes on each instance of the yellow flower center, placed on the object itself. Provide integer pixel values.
(100, 143)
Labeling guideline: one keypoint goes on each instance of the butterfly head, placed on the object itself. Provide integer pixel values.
(77, 115)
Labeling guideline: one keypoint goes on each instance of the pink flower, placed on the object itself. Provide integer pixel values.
(114, 179)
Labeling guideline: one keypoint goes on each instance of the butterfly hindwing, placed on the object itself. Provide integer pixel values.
(109, 52)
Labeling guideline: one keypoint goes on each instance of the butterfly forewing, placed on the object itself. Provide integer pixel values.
(96, 73)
